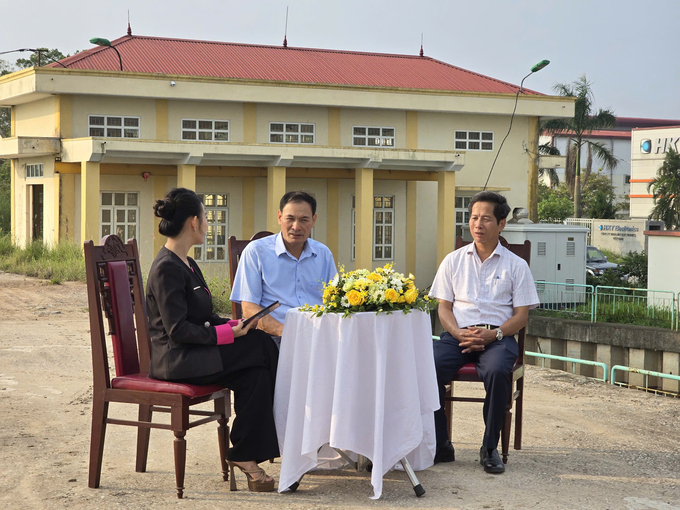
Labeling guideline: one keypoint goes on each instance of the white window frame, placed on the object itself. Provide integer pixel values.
(34, 170)
(295, 132)
(473, 140)
(376, 212)
(380, 139)
(113, 209)
(198, 130)
(122, 127)
(462, 211)
(214, 208)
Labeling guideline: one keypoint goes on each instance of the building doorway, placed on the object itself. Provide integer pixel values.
(36, 211)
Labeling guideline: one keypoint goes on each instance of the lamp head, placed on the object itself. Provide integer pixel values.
(100, 41)
(536, 68)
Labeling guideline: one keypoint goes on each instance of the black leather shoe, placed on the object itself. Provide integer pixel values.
(445, 453)
(492, 463)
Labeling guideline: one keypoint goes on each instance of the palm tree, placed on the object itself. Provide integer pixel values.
(666, 189)
(578, 128)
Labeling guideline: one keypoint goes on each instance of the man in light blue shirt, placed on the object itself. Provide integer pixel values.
(288, 267)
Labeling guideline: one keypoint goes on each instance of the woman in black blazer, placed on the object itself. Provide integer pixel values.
(193, 345)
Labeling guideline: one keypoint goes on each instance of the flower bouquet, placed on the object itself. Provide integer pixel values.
(382, 290)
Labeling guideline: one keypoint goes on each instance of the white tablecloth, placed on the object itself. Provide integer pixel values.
(364, 383)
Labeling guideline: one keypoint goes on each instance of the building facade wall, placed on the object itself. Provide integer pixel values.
(38, 118)
(645, 164)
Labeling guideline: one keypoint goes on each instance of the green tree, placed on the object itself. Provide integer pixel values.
(5, 197)
(666, 190)
(599, 196)
(584, 122)
(47, 56)
(554, 205)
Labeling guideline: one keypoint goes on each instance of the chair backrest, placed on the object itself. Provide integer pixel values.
(236, 247)
(114, 285)
(523, 251)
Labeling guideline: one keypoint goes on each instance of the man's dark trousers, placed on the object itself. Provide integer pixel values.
(494, 365)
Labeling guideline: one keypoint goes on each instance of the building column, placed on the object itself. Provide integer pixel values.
(446, 214)
(186, 177)
(363, 218)
(276, 188)
(56, 214)
(411, 130)
(67, 206)
(89, 201)
(248, 208)
(332, 209)
(411, 228)
(160, 189)
(12, 210)
(532, 188)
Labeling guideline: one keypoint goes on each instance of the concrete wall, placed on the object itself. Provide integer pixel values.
(38, 118)
(652, 349)
(619, 236)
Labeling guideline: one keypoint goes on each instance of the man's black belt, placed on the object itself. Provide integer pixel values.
(484, 326)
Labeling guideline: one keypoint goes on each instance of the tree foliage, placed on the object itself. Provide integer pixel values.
(584, 122)
(554, 204)
(47, 56)
(599, 198)
(666, 190)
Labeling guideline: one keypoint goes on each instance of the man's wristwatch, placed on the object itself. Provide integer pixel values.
(499, 334)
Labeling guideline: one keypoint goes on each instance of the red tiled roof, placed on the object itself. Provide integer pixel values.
(143, 54)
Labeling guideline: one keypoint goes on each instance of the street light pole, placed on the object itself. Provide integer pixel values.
(100, 41)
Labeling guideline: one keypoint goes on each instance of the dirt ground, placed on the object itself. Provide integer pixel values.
(586, 444)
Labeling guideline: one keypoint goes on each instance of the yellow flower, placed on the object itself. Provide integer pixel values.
(402, 299)
(411, 295)
(374, 277)
(328, 293)
(391, 296)
(355, 298)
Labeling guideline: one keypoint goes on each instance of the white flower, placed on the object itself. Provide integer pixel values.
(334, 281)
(344, 302)
(397, 283)
(349, 284)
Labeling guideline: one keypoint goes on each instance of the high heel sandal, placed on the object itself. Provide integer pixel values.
(259, 484)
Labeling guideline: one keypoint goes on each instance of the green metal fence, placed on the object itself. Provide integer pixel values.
(564, 300)
(645, 307)
(622, 305)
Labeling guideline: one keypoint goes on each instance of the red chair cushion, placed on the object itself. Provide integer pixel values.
(468, 370)
(142, 382)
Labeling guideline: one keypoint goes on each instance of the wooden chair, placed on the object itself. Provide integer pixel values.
(236, 247)
(114, 283)
(469, 373)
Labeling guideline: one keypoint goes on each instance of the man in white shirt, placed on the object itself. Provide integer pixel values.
(484, 293)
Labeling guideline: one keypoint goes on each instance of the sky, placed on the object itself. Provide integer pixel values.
(627, 49)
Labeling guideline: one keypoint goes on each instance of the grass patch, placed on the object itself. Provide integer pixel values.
(65, 262)
(612, 256)
(220, 288)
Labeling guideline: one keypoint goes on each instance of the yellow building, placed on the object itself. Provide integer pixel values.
(391, 146)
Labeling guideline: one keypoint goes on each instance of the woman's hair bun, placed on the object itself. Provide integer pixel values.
(164, 208)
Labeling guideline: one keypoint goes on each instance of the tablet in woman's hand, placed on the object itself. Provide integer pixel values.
(261, 313)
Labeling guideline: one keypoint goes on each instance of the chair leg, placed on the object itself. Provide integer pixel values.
(223, 435)
(145, 414)
(505, 435)
(448, 410)
(100, 411)
(180, 446)
(518, 413)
